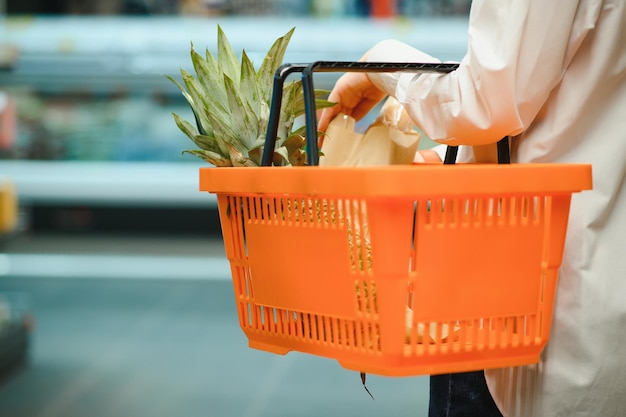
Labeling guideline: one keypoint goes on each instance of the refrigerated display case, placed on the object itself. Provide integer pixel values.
(94, 108)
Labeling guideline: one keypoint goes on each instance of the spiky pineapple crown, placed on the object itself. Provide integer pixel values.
(231, 101)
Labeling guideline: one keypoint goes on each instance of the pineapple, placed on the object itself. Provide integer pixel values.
(231, 101)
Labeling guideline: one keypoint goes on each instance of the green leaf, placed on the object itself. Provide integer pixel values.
(272, 61)
(226, 59)
(199, 100)
(301, 131)
(186, 127)
(201, 128)
(242, 118)
(205, 142)
(320, 102)
(208, 143)
(263, 120)
(225, 135)
(182, 90)
(209, 79)
(212, 86)
(248, 85)
(211, 61)
(292, 91)
(259, 143)
(210, 157)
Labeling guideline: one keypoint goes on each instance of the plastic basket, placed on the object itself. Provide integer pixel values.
(403, 270)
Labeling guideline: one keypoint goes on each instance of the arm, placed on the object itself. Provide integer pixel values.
(517, 53)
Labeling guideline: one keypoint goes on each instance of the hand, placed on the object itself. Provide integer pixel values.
(355, 96)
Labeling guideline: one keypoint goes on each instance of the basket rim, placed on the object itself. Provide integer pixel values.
(399, 181)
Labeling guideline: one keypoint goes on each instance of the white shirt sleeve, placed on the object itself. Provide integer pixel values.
(517, 53)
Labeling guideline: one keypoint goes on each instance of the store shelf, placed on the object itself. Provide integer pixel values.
(98, 101)
(104, 54)
(107, 183)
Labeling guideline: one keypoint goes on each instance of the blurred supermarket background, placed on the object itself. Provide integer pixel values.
(115, 296)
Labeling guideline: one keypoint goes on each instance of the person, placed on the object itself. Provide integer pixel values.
(551, 76)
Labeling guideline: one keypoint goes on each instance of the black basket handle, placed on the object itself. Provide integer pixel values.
(504, 156)
(309, 100)
(280, 76)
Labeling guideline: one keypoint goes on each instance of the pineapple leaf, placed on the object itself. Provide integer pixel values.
(210, 157)
(256, 155)
(320, 102)
(291, 92)
(296, 148)
(249, 86)
(213, 86)
(273, 60)
(208, 143)
(239, 159)
(297, 157)
(301, 131)
(226, 59)
(208, 78)
(283, 155)
(242, 119)
(210, 59)
(186, 127)
(225, 135)
(199, 100)
(191, 104)
(201, 128)
(216, 74)
(205, 104)
(263, 120)
(182, 90)
(259, 143)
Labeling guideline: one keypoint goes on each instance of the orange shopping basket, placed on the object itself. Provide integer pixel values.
(395, 270)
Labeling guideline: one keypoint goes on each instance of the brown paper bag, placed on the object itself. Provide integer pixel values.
(389, 140)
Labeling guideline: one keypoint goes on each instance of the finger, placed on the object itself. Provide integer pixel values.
(326, 116)
(363, 108)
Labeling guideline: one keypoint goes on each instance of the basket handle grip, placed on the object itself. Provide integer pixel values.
(504, 155)
(280, 76)
(307, 71)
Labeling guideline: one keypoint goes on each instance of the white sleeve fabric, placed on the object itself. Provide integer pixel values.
(517, 53)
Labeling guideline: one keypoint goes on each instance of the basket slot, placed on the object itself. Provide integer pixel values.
(471, 211)
(479, 211)
(471, 335)
(366, 297)
(231, 209)
(271, 320)
(362, 234)
(243, 292)
(491, 333)
(353, 215)
(315, 330)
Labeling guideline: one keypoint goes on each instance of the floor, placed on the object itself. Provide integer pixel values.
(168, 346)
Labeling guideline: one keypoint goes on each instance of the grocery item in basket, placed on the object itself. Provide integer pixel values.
(428, 333)
(390, 140)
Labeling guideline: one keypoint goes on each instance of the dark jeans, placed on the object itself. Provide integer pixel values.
(461, 395)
